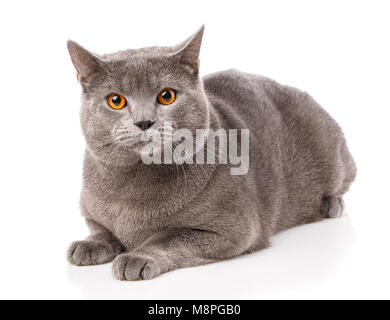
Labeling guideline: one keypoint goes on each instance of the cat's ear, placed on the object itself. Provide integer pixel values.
(188, 51)
(85, 62)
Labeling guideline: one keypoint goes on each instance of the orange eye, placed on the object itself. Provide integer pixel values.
(166, 96)
(116, 101)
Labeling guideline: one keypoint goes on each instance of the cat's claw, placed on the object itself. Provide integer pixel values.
(88, 253)
(132, 267)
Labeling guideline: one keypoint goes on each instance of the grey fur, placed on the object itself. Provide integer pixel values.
(150, 219)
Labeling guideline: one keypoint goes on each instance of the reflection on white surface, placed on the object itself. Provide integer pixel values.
(298, 260)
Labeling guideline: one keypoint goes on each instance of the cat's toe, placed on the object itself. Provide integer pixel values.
(87, 253)
(132, 267)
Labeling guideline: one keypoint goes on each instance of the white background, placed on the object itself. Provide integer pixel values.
(338, 51)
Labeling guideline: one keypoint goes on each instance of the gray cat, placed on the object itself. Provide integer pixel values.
(150, 219)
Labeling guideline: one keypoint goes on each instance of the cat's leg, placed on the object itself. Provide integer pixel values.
(334, 206)
(169, 250)
(100, 247)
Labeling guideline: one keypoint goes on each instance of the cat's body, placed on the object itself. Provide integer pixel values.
(156, 218)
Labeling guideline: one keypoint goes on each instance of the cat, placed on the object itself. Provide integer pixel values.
(153, 218)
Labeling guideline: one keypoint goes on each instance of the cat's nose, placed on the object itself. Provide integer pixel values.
(144, 124)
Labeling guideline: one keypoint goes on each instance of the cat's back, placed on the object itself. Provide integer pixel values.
(292, 137)
(261, 102)
(277, 114)
(243, 100)
(238, 90)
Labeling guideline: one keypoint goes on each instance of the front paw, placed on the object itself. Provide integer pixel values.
(133, 267)
(88, 253)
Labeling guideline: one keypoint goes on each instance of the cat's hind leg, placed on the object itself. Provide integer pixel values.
(333, 206)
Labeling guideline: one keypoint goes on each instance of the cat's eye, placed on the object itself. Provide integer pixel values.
(166, 96)
(116, 101)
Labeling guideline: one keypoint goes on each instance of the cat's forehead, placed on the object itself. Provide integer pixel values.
(147, 52)
(146, 68)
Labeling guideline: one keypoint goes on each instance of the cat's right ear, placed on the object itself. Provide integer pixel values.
(85, 62)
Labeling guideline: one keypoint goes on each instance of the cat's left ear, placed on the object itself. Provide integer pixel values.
(188, 51)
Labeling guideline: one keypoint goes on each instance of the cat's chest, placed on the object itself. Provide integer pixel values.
(133, 207)
(129, 222)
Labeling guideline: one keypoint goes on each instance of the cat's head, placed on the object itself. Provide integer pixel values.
(126, 93)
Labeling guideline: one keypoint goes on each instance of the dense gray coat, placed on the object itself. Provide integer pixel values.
(150, 219)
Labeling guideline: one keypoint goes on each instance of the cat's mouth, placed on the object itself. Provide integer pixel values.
(135, 142)
(142, 138)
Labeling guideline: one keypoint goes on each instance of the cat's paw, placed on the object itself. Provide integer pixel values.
(129, 266)
(88, 253)
(335, 206)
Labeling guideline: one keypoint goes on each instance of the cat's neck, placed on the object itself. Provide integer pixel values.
(168, 186)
